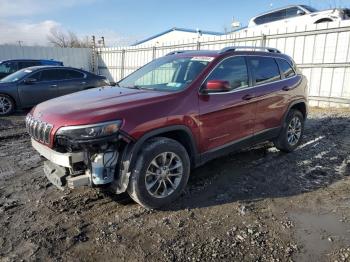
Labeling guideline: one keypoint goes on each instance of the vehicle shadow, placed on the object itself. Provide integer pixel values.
(264, 172)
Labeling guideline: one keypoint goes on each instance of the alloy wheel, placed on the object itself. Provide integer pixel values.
(164, 174)
(294, 131)
(5, 105)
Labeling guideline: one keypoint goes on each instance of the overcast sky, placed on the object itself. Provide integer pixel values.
(126, 21)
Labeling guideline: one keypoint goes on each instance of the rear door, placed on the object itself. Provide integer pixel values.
(272, 99)
(227, 116)
(45, 87)
(72, 81)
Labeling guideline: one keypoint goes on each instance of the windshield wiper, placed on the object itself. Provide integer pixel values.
(135, 87)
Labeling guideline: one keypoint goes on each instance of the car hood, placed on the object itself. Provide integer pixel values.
(94, 105)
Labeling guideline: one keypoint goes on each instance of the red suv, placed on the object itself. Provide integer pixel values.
(144, 135)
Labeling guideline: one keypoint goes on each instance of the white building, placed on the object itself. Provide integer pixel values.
(175, 35)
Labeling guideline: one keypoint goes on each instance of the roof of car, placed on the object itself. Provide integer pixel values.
(195, 52)
(52, 67)
(229, 50)
(274, 10)
(42, 60)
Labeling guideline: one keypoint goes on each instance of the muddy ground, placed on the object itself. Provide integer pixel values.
(255, 205)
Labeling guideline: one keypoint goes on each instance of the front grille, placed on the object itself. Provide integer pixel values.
(38, 130)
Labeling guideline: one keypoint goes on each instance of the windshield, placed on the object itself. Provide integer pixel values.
(16, 76)
(309, 8)
(168, 73)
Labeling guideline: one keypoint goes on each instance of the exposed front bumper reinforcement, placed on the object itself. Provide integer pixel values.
(76, 169)
(55, 174)
(61, 159)
(59, 177)
(58, 164)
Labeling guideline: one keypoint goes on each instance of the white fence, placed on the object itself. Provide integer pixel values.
(75, 57)
(321, 51)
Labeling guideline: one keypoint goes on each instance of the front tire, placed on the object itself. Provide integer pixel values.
(7, 105)
(292, 132)
(160, 174)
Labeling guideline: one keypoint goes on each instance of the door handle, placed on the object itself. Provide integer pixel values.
(53, 86)
(83, 83)
(248, 97)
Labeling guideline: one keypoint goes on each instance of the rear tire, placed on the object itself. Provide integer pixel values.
(292, 132)
(7, 105)
(160, 174)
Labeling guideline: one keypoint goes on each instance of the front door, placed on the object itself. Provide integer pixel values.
(227, 117)
(44, 88)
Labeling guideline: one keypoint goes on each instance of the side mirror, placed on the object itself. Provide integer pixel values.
(300, 12)
(29, 81)
(112, 83)
(214, 86)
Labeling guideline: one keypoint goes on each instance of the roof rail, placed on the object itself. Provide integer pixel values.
(255, 48)
(178, 52)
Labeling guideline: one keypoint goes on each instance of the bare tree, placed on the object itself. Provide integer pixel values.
(69, 39)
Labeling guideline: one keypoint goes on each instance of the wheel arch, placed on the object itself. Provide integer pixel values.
(180, 133)
(300, 105)
(323, 20)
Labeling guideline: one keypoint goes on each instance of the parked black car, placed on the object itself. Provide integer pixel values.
(8, 67)
(30, 86)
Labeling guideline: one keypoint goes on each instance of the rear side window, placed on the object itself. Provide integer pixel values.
(60, 74)
(233, 70)
(264, 69)
(51, 75)
(271, 17)
(71, 74)
(286, 68)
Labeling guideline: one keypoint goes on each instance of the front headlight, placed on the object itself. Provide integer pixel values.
(90, 131)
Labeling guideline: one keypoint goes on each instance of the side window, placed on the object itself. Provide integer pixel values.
(264, 69)
(72, 74)
(263, 19)
(286, 68)
(36, 76)
(278, 15)
(8, 67)
(233, 70)
(292, 12)
(271, 17)
(25, 64)
(51, 75)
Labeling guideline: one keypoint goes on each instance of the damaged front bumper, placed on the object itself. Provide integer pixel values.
(59, 167)
(76, 169)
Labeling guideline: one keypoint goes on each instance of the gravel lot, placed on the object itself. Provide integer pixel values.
(256, 205)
